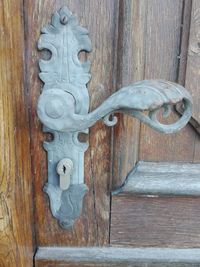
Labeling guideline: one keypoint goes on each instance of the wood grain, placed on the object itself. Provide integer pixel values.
(117, 257)
(16, 241)
(193, 61)
(185, 32)
(152, 221)
(130, 68)
(147, 43)
(163, 38)
(192, 79)
(93, 227)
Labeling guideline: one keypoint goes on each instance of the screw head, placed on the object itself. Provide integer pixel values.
(64, 19)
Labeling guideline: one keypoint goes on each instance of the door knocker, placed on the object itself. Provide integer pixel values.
(63, 109)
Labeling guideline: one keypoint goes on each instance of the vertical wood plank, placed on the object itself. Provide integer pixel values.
(93, 227)
(193, 61)
(192, 79)
(130, 68)
(163, 35)
(16, 246)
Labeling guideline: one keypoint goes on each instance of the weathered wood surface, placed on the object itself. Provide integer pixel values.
(152, 43)
(129, 68)
(185, 31)
(168, 167)
(145, 221)
(16, 248)
(148, 46)
(193, 60)
(99, 17)
(162, 52)
(155, 178)
(149, 257)
(192, 79)
(193, 122)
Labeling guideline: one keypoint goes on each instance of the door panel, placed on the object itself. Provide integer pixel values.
(163, 42)
(152, 43)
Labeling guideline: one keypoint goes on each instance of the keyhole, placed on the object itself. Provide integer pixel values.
(64, 169)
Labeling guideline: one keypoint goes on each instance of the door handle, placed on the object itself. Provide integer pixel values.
(63, 109)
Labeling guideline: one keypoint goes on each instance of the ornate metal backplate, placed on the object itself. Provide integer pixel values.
(63, 109)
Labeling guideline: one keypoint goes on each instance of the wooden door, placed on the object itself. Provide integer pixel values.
(132, 40)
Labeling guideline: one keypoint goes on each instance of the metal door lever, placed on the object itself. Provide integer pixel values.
(63, 109)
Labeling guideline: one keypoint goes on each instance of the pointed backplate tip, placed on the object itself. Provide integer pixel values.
(65, 15)
(65, 11)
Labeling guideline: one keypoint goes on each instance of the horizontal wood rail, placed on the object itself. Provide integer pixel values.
(156, 178)
(109, 256)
